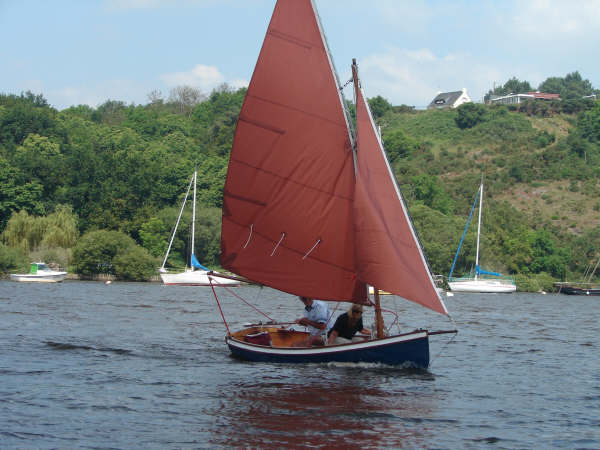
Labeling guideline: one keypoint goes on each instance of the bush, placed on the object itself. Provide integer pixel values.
(12, 259)
(469, 115)
(134, 264)
(535, 283)
(95, 251)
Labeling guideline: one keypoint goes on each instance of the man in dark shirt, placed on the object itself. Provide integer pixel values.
(347, 325)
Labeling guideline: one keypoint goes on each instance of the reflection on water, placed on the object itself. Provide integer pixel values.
(327, 406)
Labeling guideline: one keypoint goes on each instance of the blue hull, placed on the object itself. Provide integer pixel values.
(410, 350)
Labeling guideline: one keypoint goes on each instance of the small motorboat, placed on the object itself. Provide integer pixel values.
(39, 272)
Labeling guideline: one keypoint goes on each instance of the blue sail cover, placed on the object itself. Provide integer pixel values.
(197, 265)
(480, 271)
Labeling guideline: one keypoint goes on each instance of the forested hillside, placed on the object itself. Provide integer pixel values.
(98, 189)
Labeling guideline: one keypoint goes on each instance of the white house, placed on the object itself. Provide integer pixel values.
(450, 99)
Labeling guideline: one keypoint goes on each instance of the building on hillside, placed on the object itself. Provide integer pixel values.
(449, 99)
(513, 99)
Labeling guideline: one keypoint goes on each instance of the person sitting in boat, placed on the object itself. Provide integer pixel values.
(346, 326)
(316, 319)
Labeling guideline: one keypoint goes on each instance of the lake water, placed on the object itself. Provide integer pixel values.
(141, 365)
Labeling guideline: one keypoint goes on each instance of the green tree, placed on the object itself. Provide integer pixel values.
(588, 124)
(512, 86)
(17, 194)
(61, 228)
(398, 145)
(154, 235)
(24, 117)
(111, 112)
(427, 189)
(379, 106)
(96, 250)
(469, 115)
(58, 229)
(569, 87)
(11, 259)
(40, 159)
(134, 264)
(439, 235)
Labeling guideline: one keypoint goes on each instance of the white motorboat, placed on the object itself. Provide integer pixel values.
(39, 272)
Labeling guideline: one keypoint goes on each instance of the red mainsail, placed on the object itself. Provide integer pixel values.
(388, 253)
(287, 201)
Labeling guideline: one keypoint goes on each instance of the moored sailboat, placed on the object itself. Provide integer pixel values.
(311, 206)
(483, 281)
(196, 274)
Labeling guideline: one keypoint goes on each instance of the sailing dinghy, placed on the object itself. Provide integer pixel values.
(310, 205)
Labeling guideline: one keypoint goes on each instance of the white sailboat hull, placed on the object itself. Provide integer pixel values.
(196, 278)
(52, 277)
(482, 286)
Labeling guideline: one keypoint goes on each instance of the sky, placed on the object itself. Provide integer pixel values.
(89, 51)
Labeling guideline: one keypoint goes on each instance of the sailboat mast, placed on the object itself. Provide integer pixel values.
(177, 224)
(193, 222)
(378, 315)
(478, 229)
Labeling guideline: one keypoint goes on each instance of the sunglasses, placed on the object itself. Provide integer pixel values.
(355, 311)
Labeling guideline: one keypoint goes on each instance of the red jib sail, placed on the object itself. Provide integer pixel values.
(388, 252)
(287, 201)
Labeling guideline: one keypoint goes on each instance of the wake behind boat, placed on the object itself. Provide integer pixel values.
(311, 206)
(39, 272)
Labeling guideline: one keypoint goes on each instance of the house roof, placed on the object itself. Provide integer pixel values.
(445, 99)
(544, 95)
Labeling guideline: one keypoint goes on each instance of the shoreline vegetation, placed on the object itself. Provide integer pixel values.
(96, 190)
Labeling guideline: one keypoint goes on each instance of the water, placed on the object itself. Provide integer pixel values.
(140, 365)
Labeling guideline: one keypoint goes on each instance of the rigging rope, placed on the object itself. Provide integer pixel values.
(346, 83)
(249, 304)
(219, 305)
(442, 349)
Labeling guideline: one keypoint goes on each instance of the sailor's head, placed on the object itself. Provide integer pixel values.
(306, 300)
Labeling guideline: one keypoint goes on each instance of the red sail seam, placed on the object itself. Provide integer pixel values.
(276, 175)
(261, 125)
(289, 38)
(282, 105)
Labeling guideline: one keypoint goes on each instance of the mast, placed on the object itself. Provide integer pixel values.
(193, 222)
(162, 267)
(478, 230)
(378, 315)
